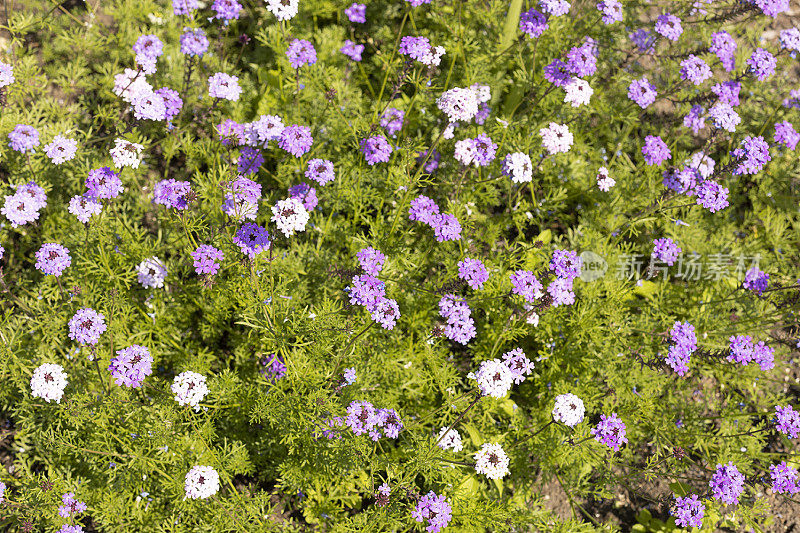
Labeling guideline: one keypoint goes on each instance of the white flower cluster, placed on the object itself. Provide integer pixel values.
(450, 440)
(568, 410)
(604, 180)
(126, 154)
(190, 388)
(151, 273)
(556, 138)
(48, 382)
(459, 104)
(131, 85)
(494, 378)
(283, 9)
(201, 482)
(491, 461)
(579, 92)
(519, 167)
(290, 216)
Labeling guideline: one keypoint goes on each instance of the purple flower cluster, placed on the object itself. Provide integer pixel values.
(642, 92)
(420, 49)
(301, 52)
(53, 259)
(460, 325)
(519, 364)
(61, 149)
(669, 26)
(762, 64)
(435, 510)
(306, 194)
(786, 135)
(525, 284)
(533, 23)
(742, 351)
(252, 239)
(611, 11)
(227, 10)
(296, 140)
(352, 50)
(473, 272)
(172, 194)
(684, 343)
(727, 484)
(84, 207)
(194, 42)
(755, 280)
(320, 170)
(23, 138)
(688, 511)
(224, 86)
(479, 151)
(272, 367)
(369, 291)
(371, 260)
(655, 150)
(205, 259)
(784, 479)
(445, 226)
(86, 326)
(787, 421)
(103, 183)
(666, 250)
(356, 13)
(131, 366)
(70, 506)
(24, 205)
(392, 120)
(376, 149)
(610, 431)
(363, 418)
(724, 46)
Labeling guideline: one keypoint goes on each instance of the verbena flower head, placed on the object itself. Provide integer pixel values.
(695, 70)
(694, 119)
(610, 431)
(148, 46)
(473, 272)
(272, 367)
(557, 72)
(321, 171)
(525, 284)
(741, 348)
(604, 180)
(206, 259)
(172, 102)
(103, 183)
(86, 326)
(53, 259)
(727, 484)
(787, 421)
(555, 8)
(492, 461)
(494, 378)
(172, 193)
(392, 120)
(568, 410)
(611, 11)
(752, 155)
(366, 290)
(130, 84)
(556, 138)
(560, 291)
(70, 506)
(251, 238)
(189, 388)
(773, 8)
(250, 160)
(6, 74)
(728, 92)
(201, 482)
(578, 92)
(420, 49)
(642, 92)
(784, 479)
(385, 312)
(361, 417)
(423, 209)
(24, 205)
(290, 215)
(655, 150)
(194, 42)
(450, 440)
(23, 139)
(296, 140)
(263, 130)
(352, 50)
(712, 196)
(762, 64)
(566, 264)
(519, 364)
(688, 511)
(151, 273)
(283, 9)
(184, 7)
(446, 227)
(669, 26)
(460, 325)
(224, 86)
(131, 366)
(376, 149)
(644, 40)
(764, 356)
(786, 135)
(48, 382)
(458, 104)
(226, 10)
(666, 250)
(435, 510)
(519, 167)
(371, 260)
(724, 116)
(301, 52)
(756, 280)
(356, 13)
(724, 46)
(61, 149)
(126, 153)
(790, 39)
(533, 23)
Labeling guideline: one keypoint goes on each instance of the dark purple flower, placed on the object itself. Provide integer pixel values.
(727, 484)
(688, 511)
(755, 280)
(376, 149)
(610, 431)
(666, 250)
(752, 155)
(172, 193)
(252, 239)
(533, 23)
(435, 510)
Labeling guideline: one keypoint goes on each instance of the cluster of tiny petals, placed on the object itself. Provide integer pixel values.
(604, 179)
(519, 364)
(48, 382)
(53, 259)
(126, 153)
(352, 50)
(762, 64)
(786, 135)
(420, 49)
(435, 510)
(283, 9)
(70, 506)
(533, 23)
(568, 410)
(371, 260)
(301, 52)
(494, 378)
(611, 11)
(665, 250)
(525, 284)
(61, 149)
(23, 138)
(151, 273)
(695, 70)
(364, 419)
(519, 167)
(787, 421)
(655, 150)
(669, 26)
(684, 343)
(290, 215)
(84, 207)
(131, 366)
(688, 511)
(194, 42)
(321, 171)
(6, 75)
(189, 388)
(250, 237)
(460, 324)
(450, 439)
(172, 193)
(727, 484)
(24, 205)
(376, 149)
(103, 183)
(296, 140)
(785, 479)
(556, 138)
(86, 326)
(610, 431)
(224, 86)
(201, 482)
(473, 272)
(458, 104)
(491, 461)
(756, 280)
(356, 13)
